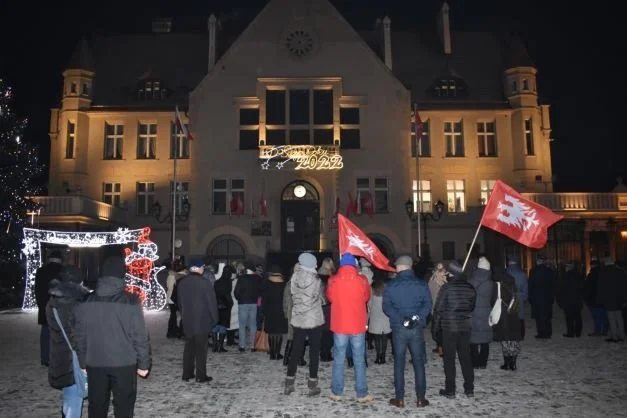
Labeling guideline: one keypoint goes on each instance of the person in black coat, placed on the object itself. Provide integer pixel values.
(508, 330)
(570, 299)
(275, 323)
(45, 274)
(452, 318)
(65, 293)
(199, 313)
(247, 291)
(223, 288)
(541, 297)
(597, 311)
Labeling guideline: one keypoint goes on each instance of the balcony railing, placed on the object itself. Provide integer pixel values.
(78, 206)
(581, 202)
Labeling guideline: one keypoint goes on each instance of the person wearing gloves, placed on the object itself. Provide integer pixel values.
(407, 302)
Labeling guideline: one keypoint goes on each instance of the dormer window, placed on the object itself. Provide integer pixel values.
(525, 85)
(514, 87)
(85, 90)
(73, 88)
(448, 87)
(151, 90)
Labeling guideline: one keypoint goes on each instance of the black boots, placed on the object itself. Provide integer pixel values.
(509, 363)
(380, 344)
(275, 342)
(221, 338)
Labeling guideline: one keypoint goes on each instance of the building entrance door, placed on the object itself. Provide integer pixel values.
(300, 218)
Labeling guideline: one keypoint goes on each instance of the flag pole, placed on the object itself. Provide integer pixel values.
(176, 149)
(419, 213)
(472, 244)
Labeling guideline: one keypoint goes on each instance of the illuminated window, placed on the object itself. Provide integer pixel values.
(448, 87)
(182, 194)
(424, 193)
(424, 148)
(454, 139)
(486, 189)
(529, 143)
(151, 90)
(112, 193)
(145, 197)
(227, 190)
(114, 137)
(70, 140)
(179, 144)
(378, 193)
(486, 139)
(299, 117)
(456, 195)
(248, 128)
(147, 141)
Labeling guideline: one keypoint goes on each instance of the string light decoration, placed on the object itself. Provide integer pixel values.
(20, 170)
(305, 157)
(141, 276)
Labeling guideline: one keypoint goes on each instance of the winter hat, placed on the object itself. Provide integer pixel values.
(404, 260)
(114, 266)
(483, 264)
(308, 261)
(196, 262)
(455, 269)
(364, 263)
(71, 274)
(348, 260)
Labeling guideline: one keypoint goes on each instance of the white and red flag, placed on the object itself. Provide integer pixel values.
(181, 126)
(354, 241)
(236, 205)
(522, 220)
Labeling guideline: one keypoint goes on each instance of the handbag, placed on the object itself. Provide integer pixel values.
(495, 313)
(261, 341)
(80, 378)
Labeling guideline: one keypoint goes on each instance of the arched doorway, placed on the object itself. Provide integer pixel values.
(226, 248)
(384, 244)
(300, 217)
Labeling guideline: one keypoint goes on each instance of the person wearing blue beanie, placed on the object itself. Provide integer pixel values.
(348, 259)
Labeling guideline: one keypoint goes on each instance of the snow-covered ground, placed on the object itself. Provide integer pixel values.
(560, 377)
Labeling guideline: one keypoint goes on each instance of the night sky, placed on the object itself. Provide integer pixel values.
(576, 48)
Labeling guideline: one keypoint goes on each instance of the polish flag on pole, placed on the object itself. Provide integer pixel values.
(181, 126)
(354, 241)
(351, 207)
(520, 219)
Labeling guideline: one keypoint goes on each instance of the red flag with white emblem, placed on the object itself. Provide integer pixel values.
(522, 220)
(354, 241)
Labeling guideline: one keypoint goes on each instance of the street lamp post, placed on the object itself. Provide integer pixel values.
(173, 217)
(423, 217)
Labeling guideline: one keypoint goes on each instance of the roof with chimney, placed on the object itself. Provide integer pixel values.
(179, 61)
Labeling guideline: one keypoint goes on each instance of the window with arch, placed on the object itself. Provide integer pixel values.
(226, 248)
(383, 243)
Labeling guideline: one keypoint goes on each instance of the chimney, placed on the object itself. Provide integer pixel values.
(162, 25)
(387, 42)
(212, 41)
(445, 27)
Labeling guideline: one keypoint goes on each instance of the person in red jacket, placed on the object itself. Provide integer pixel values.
(348, 293)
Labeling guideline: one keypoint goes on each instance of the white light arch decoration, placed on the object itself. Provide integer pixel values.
(141, 275)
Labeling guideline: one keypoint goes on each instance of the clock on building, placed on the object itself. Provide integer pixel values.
(299, 42)
(300, 191)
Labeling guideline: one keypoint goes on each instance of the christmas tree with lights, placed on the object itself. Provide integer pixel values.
(20, 171)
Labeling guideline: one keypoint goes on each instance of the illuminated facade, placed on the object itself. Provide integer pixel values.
(298, 117)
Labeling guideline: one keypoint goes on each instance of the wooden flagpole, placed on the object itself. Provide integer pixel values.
(472, 245)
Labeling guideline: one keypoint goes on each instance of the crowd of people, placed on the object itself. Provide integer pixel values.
(338, 313)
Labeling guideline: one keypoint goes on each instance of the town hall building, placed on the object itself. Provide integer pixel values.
(299, 117)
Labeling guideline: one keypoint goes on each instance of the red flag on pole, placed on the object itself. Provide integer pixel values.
(351, 207)
(354, 241)
(367, 204)
(263, 206)
(520, 219)
(418, 125)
